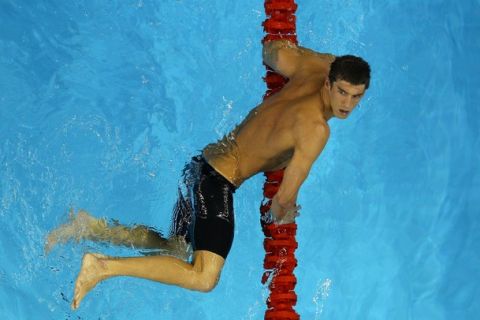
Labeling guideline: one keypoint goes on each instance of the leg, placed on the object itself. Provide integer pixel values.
(83, 226)
(202, 275)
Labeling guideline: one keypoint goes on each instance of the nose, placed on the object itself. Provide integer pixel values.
(347, 102)
(351, 103)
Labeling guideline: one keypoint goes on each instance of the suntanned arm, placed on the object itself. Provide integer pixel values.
(310, 139)
(289, 59)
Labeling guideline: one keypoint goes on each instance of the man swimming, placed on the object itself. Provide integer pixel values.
(288, 130)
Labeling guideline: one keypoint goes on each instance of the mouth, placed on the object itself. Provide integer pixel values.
(344, 112)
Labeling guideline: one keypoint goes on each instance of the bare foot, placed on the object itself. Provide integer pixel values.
(93, 270)
(80, 227)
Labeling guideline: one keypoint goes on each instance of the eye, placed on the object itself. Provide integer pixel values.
(342, 92)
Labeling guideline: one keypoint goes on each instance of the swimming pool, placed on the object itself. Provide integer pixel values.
(101, 105)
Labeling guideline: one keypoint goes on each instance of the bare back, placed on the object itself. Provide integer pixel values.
(263, 141)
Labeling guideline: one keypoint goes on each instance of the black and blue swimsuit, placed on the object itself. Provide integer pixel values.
(203, 213)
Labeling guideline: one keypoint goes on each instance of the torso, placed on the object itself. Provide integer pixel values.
(263, 141)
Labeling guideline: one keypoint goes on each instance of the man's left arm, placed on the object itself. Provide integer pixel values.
(288, 59)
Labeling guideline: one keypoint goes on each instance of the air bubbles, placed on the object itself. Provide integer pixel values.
(321, 296)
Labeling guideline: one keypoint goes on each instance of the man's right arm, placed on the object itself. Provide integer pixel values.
(288, 59)
(310, 139)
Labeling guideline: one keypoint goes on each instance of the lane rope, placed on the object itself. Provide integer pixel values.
(280, 243)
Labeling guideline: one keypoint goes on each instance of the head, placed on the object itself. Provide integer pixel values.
(347, 82)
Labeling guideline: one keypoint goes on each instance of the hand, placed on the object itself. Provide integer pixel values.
(282, 215)
(289, 216)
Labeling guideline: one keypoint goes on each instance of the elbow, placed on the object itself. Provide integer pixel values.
(271, 51)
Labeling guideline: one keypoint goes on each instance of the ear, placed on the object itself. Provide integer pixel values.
(327, 83)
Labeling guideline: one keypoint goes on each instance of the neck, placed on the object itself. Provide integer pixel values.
(326, 107)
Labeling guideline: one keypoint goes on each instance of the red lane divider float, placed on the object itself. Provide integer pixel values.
(280, 242)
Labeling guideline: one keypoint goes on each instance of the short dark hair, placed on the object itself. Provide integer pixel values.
(351, 69)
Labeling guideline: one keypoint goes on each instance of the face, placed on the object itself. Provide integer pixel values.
(344, 97)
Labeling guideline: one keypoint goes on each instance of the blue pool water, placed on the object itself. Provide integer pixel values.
(102, 103)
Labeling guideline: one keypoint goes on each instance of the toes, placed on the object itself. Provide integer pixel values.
(78, 293)
(76, 298)
(87, 278)
(74, 304)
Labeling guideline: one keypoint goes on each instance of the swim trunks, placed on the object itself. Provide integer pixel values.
(203, 213)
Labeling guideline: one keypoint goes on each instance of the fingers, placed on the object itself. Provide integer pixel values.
(289, 216)
(282, 216)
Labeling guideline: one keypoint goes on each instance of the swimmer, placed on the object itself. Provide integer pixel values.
(288, 130)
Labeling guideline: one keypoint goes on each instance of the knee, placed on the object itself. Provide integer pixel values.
(207, 268)
(207, 282)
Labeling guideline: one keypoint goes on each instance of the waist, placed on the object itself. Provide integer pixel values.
(208, 169)
(226, 165)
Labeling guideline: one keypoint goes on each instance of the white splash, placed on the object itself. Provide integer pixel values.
(322, 294)
(224, 124)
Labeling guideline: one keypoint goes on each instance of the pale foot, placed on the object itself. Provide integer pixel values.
(93, 270)
(80, 227)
